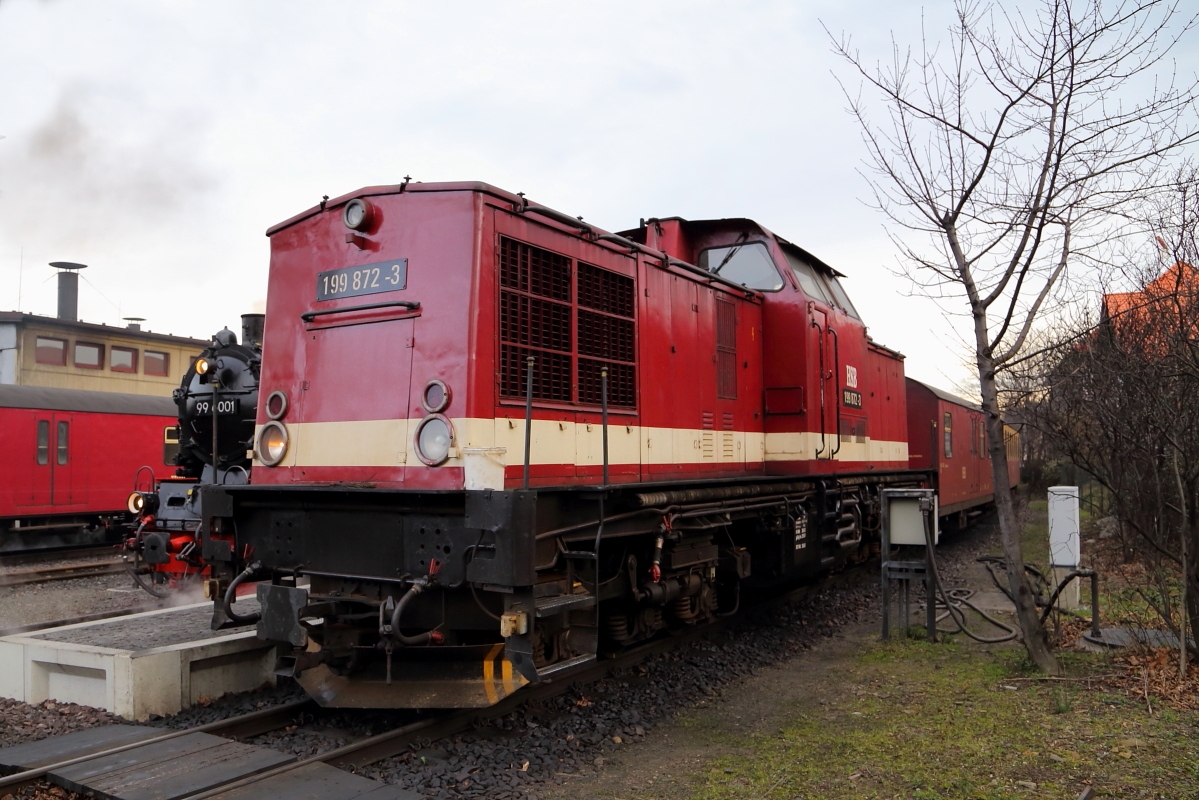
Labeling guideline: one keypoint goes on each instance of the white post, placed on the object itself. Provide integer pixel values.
(1064, 541)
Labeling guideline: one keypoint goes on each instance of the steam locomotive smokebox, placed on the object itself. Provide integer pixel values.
(156, 662)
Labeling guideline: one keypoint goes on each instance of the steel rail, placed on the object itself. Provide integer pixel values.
(54, 554)
(93, 570)
(388, 744)
(391, 743)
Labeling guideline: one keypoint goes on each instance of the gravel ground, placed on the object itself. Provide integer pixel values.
(524, 754)
(62, 599)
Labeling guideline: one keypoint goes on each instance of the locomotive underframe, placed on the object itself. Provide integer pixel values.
(505, 582)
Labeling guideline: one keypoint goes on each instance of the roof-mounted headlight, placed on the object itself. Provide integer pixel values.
(272, 443)
(358, 214)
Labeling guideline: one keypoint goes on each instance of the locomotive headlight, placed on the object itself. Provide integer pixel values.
(141, 503)
(435, 397)
(202, 366)
(434, 437)
(272, 443)
(357, 215)
(276, 405)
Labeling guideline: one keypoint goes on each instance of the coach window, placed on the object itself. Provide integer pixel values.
(51, 351)
(157, 363)
(43, 442)
(89, 356)
(748, 264)
(122, 359)
(947, 427)
(63, 430)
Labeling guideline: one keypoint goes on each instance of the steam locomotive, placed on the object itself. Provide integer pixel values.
(499, 442)
(217, 402)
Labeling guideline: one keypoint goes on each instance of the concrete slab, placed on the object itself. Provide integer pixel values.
(156, 662)
(318, 782)
(167, 770)
(56, 749)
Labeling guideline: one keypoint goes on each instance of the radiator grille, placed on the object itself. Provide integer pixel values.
(533, 270)
(533, 322)
(605, 291)
(551, 373)
(605, 337)
(572, 342)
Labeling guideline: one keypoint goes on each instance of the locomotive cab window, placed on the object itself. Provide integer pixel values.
(818, 284)
(748, 264)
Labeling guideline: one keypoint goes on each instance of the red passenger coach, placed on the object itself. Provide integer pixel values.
(947, 437)
(70, 456)
(500, 441)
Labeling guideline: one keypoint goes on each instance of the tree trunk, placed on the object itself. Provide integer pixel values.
(1035, 640)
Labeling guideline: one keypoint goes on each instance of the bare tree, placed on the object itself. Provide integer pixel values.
(1006, 160)
(1117, 398)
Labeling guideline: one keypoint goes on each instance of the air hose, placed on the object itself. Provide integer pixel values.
(231, 596)
(149, 588)
(420, 638)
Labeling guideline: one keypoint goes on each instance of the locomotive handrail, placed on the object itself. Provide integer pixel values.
(309, 316)
(836, 384)
(823, 413)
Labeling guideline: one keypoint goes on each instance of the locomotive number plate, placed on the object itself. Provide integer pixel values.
(384, 276)
(225, 405)
(851, 398)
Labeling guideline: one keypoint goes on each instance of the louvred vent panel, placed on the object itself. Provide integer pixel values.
(622, 386)
(571, 341)
(605, 291)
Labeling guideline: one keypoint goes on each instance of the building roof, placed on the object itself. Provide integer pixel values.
(47, 399)
(93, 328)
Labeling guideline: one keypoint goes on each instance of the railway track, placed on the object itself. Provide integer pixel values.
(370, 749)
(46, 574)
(56, 554)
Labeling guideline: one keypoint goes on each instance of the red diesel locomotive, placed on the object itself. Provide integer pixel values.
(499, 441)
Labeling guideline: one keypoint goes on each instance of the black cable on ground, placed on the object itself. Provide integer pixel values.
(953, 600)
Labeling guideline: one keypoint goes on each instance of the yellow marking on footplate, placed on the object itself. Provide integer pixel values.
(489, 673)
(506, 672)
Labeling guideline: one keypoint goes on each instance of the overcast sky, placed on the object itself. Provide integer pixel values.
(156, 141)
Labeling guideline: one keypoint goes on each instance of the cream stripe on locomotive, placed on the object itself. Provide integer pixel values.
(388, 442)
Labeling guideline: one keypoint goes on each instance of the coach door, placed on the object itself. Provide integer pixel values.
(52, 461)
